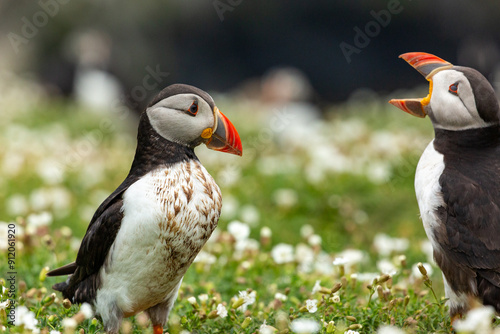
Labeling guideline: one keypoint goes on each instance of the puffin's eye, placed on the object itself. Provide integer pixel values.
(454, 88)
(193, 110)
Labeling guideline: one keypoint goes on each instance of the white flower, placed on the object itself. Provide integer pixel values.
(240, 231)
(221, 311)
(305, 326)
(367, 277)
(312, 305)
(54, 332)
(17, 205)
(386, 267)
(4, 233)
(69, 323)
(50, 171)
(314, 240)
(4, 305)
(389, 330)
(335, 299)
(250, 215)
(265, 329)
(87, 311)
(306, 231)
(305, 257)
(25, 317)
(246, 245)
(478, 320)
(191, 300)
(58, 198)
(378, 172)
(349, 258)
(203, 297)
(266, 232)
(385, 245)
(350, 331)
(316, 286)
(323, 264)
(41, 219)
(282, 253)
(280, 296)
(285, 198)
(416, 272)
(248, 299)
(340, 261)
(205, 257)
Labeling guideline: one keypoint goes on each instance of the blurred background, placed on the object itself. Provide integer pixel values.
(228, 45)
(306, 83)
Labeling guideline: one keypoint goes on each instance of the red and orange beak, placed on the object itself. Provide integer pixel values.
(427, 65)
(224, 137)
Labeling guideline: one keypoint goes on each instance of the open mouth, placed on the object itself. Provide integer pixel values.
(428, 65)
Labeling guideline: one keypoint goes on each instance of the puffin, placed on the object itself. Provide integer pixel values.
(145, 235)
(457, 180)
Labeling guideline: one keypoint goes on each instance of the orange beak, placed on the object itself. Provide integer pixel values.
(225, 138)
(427, 65)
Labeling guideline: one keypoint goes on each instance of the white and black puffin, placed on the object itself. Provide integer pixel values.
(457, 181)
(144, 236)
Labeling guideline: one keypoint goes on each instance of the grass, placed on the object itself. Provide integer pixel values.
(62, 161)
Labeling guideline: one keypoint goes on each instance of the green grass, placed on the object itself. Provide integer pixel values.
(346, 208)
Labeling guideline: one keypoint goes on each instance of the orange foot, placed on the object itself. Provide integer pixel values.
(157, 329)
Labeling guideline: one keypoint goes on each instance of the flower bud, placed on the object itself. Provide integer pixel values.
(422, 269)
(246, 322)
(336, 287)
(66, 303)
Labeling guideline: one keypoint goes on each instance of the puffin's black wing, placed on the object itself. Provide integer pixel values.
(100, 235)
(469, 233)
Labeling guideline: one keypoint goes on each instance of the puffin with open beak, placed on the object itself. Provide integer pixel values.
(145, 235)
(457, 181)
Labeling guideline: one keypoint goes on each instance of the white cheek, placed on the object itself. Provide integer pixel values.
(449, 112)
(452, 112)
(177, 126)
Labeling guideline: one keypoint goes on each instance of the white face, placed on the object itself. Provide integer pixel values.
(451, 110)
(172, 120)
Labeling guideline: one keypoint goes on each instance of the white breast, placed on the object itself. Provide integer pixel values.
(169, 214)
(427, 188)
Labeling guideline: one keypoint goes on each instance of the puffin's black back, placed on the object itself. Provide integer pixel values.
(470, 233)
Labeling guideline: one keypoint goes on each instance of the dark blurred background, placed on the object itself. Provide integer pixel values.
(127, 48)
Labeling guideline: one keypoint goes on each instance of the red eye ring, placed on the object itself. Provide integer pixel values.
(454, 88)
(193, 109)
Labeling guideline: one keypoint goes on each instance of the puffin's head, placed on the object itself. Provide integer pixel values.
(188, 116)
(459, 97)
